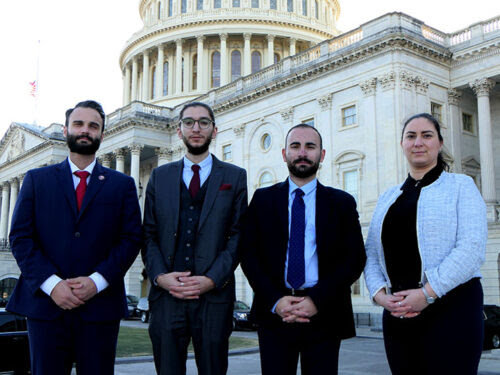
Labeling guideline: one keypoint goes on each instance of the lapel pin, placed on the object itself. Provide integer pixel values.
(101, 177)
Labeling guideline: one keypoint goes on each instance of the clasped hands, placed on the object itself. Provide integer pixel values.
(296, 309)
(404, 304)
(71, 293)
(184, 286)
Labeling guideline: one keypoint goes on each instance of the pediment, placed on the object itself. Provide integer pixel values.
(18, 139)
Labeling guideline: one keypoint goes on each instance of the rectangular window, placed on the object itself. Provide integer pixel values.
(199, 4)
(255, 3)
(309, 121)
(316, 10)
(467, 123)
(170, 8)
(183, 6)
(351, 183)
(227, 152)
(236, 3)
(217, 3)
(304, 7)
(437, 112)
(272, 4)
(289, 5)
(349, 116)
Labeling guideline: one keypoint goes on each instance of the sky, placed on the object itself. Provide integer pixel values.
(77, 44)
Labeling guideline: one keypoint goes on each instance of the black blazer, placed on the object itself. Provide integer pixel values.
(340, 249)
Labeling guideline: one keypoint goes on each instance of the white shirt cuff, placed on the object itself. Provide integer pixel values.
(49, 284)
(99, 281)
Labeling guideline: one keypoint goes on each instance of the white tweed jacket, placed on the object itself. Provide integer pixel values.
(451, 232)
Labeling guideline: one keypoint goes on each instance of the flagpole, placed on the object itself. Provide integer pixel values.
(37, 83)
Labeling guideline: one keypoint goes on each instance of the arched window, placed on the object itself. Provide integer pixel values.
(266, 179)
(217, 3)
(236, 3)
(256, 61)
(170, 8)
(273, 5)
(216, 69)
(199, 4)
(153, 82)
(304, 7)
(195, 72)
(276, 58)
(289, 5)
(159, 10)
(183, 6)
(165, 78)
(235, 65)
(255, 3)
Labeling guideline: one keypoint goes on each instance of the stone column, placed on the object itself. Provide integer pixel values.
(145, 76)
(164, 155)
(292, 46)
(14, 188)
(454, 97)
(106, 160)
(482, 88)
(120, 160)
(199, 63)
(126, 85)
(247, 55)
(178, 67)
(223, 60)
(135, 68)
(135, 160)
(4, 218)
(270, 50)
(159, 72)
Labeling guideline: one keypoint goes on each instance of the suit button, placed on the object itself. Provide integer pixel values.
(187, 258)
(77, 234)
(189, 231)
(188, 245)
(191, 207)
(169, 257)
(190, 219)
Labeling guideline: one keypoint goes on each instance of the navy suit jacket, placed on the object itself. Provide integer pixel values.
(339, 246)
(49, 236)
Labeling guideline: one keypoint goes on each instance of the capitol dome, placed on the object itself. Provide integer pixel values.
(188, 47)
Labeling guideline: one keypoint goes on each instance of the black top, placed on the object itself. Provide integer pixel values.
(399, 234)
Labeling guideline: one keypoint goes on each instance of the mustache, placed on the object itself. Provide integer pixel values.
(84, 137)
(299, 160)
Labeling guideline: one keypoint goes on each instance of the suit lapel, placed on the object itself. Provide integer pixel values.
(280, 202)
(65, 181)
(323, 217)
(172, 184)
(98, 178)
(214, 182)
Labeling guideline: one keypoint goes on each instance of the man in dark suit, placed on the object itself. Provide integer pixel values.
(74, 243)
(192, 230)
(302, 250)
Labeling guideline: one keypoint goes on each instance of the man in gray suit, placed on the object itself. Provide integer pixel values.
(192, 229)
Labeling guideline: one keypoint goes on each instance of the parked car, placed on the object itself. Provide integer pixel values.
(14, 345)
(240, 317)
(132, 306)
(143, 309)
(491, 327)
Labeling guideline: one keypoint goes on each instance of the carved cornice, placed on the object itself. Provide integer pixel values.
(388, 80)
(406, 79)
(239, 130)
(369, 87)
(454, 96)
(325, 101)
(421, 84)
(482, 86)
(286, 113)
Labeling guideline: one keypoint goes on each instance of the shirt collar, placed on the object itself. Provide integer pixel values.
(204, 164)
(307, 188)
(74, 168)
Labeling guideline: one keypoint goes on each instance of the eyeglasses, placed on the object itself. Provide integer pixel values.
(203, 122)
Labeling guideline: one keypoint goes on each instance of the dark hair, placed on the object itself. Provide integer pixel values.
(87, 104)
(440, 161)
(308, 127)
(198, 104)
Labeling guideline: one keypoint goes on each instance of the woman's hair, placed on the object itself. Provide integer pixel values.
(440, 161)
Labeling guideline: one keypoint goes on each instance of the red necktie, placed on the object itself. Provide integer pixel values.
(194, 185)
(82, 187)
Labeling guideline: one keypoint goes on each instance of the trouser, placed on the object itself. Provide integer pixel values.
(175, 322)
(446, 338)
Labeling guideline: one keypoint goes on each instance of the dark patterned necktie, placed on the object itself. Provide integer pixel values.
(194, 185)
(81, 187)
(296, 269)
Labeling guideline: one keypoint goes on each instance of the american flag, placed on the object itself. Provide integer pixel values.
(33, 86)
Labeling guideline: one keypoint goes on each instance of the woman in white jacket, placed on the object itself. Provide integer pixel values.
(425, 247)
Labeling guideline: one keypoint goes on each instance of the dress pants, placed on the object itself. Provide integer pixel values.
(281, 344)
(56, 344)
(446, 338)
(175, 322)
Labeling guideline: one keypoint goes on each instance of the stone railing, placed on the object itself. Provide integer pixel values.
(4, 244)
(136, 108)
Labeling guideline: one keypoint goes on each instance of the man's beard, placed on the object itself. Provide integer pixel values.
(82, 148)
(197, 150)
(302, 171)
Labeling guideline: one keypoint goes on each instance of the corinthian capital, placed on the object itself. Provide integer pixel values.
(369, 86)
(454, 96)
(482, 86)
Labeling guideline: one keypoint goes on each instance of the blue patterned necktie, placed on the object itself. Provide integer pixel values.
(296, 269)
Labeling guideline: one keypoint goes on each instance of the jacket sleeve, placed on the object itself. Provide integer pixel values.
(227, 260)
(466, 258)
(35, 266)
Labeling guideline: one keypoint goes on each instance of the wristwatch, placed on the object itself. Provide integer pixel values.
(428, 298)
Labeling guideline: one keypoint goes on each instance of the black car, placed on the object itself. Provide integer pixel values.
(14, 345)
(132, 306)
(240, 317)
(143, 309)
(491, 327)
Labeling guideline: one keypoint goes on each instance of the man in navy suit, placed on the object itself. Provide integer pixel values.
(76, 230)
(302, 250)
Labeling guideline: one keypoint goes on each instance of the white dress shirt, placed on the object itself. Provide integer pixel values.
(205, 169)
